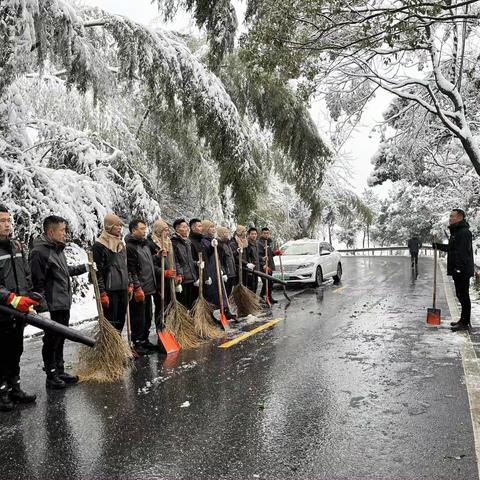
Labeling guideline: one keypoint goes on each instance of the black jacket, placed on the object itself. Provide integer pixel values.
(140, 265)
(197, 245)
(252, 253)
(51, 273)
(112, 271)
(414, 245)
(14, 271)
(460, 251)
(186, 266)
(261, 253)
(227, 258)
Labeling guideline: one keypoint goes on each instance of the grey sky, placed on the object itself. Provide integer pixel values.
(359, 148)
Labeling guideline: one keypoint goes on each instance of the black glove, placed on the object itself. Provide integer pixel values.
(434, 245)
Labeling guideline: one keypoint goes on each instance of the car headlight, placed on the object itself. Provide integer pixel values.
(306, 265)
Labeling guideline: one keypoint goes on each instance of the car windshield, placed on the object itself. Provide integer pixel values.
(300, 249)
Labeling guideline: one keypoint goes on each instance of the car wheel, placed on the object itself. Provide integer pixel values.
(318, 277)
(338, 276)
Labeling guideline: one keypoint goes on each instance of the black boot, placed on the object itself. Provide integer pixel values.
(66, 377)
(17, 394)
(6, 404)
(53, 380)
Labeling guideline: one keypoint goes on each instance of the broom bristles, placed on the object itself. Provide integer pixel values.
(180, 324)
(247, 302)
(202, 312)
(107, 360)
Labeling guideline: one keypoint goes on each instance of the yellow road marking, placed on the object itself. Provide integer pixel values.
(242, 337)
(338, 290)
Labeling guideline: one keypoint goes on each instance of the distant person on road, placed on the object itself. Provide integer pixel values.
(414, 246)
(460, 264)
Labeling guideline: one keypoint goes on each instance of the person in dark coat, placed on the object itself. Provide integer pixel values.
(460, 265)
(252, 259)
(227, 259)
(142, 274)
(51, 278)
(267, 265)
(15, 287)
(196, 237)
(186, 265)
(414, 246)
(213, 289)
(110, 257)
(160, 245)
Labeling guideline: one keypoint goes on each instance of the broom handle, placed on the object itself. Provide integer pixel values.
(282, 273)
(172, 281)
(200, 275)
(162, 286)
(267, 293)
(129, 324)
(240, 269)
(434, 276)
(96, 289)
(219, 279)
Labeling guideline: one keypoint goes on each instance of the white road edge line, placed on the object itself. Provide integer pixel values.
(471, 365)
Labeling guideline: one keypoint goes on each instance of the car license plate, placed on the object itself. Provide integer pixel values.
(278, 275)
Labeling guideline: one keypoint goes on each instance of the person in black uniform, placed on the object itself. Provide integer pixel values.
(51, 278)
(142, 274)
(460, 265)
(14, 291)
(110, 257)
(414, 246)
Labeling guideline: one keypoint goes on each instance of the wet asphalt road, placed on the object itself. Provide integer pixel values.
(350, 385)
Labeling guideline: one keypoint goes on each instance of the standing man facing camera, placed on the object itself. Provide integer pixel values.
(51, 278)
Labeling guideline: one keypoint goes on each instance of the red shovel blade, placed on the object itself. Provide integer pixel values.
(433, 316)
(168, 342)
(224, 321)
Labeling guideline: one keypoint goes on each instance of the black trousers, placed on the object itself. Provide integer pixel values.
(11, 348)
(117, 308)
(52, 350)
(188, 296)
(252, 282)
(158, 307)
(414, 258)
(264, 288)
(462, 290)
(141, 319)
(231, 282)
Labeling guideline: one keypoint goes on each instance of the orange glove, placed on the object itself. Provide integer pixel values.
(170, 273)
(277, 252)
(21, 303)
(130, 291)
(178, 279)
(104, 299)
(268, 270)
(139, 294)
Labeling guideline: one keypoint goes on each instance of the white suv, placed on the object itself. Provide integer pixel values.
(308, 261)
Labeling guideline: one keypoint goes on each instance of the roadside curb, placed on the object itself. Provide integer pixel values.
(471, 364)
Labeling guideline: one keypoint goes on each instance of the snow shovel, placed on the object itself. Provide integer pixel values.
(165, 338)
(223, 318)
(434, 314)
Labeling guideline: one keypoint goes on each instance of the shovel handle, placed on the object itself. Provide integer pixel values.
(434, 277)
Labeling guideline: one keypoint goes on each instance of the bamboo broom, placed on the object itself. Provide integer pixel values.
(247, 302)
(107, 361)
(178, 320)
(202, 311)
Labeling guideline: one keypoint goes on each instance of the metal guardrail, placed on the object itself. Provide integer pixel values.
(426, 250)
